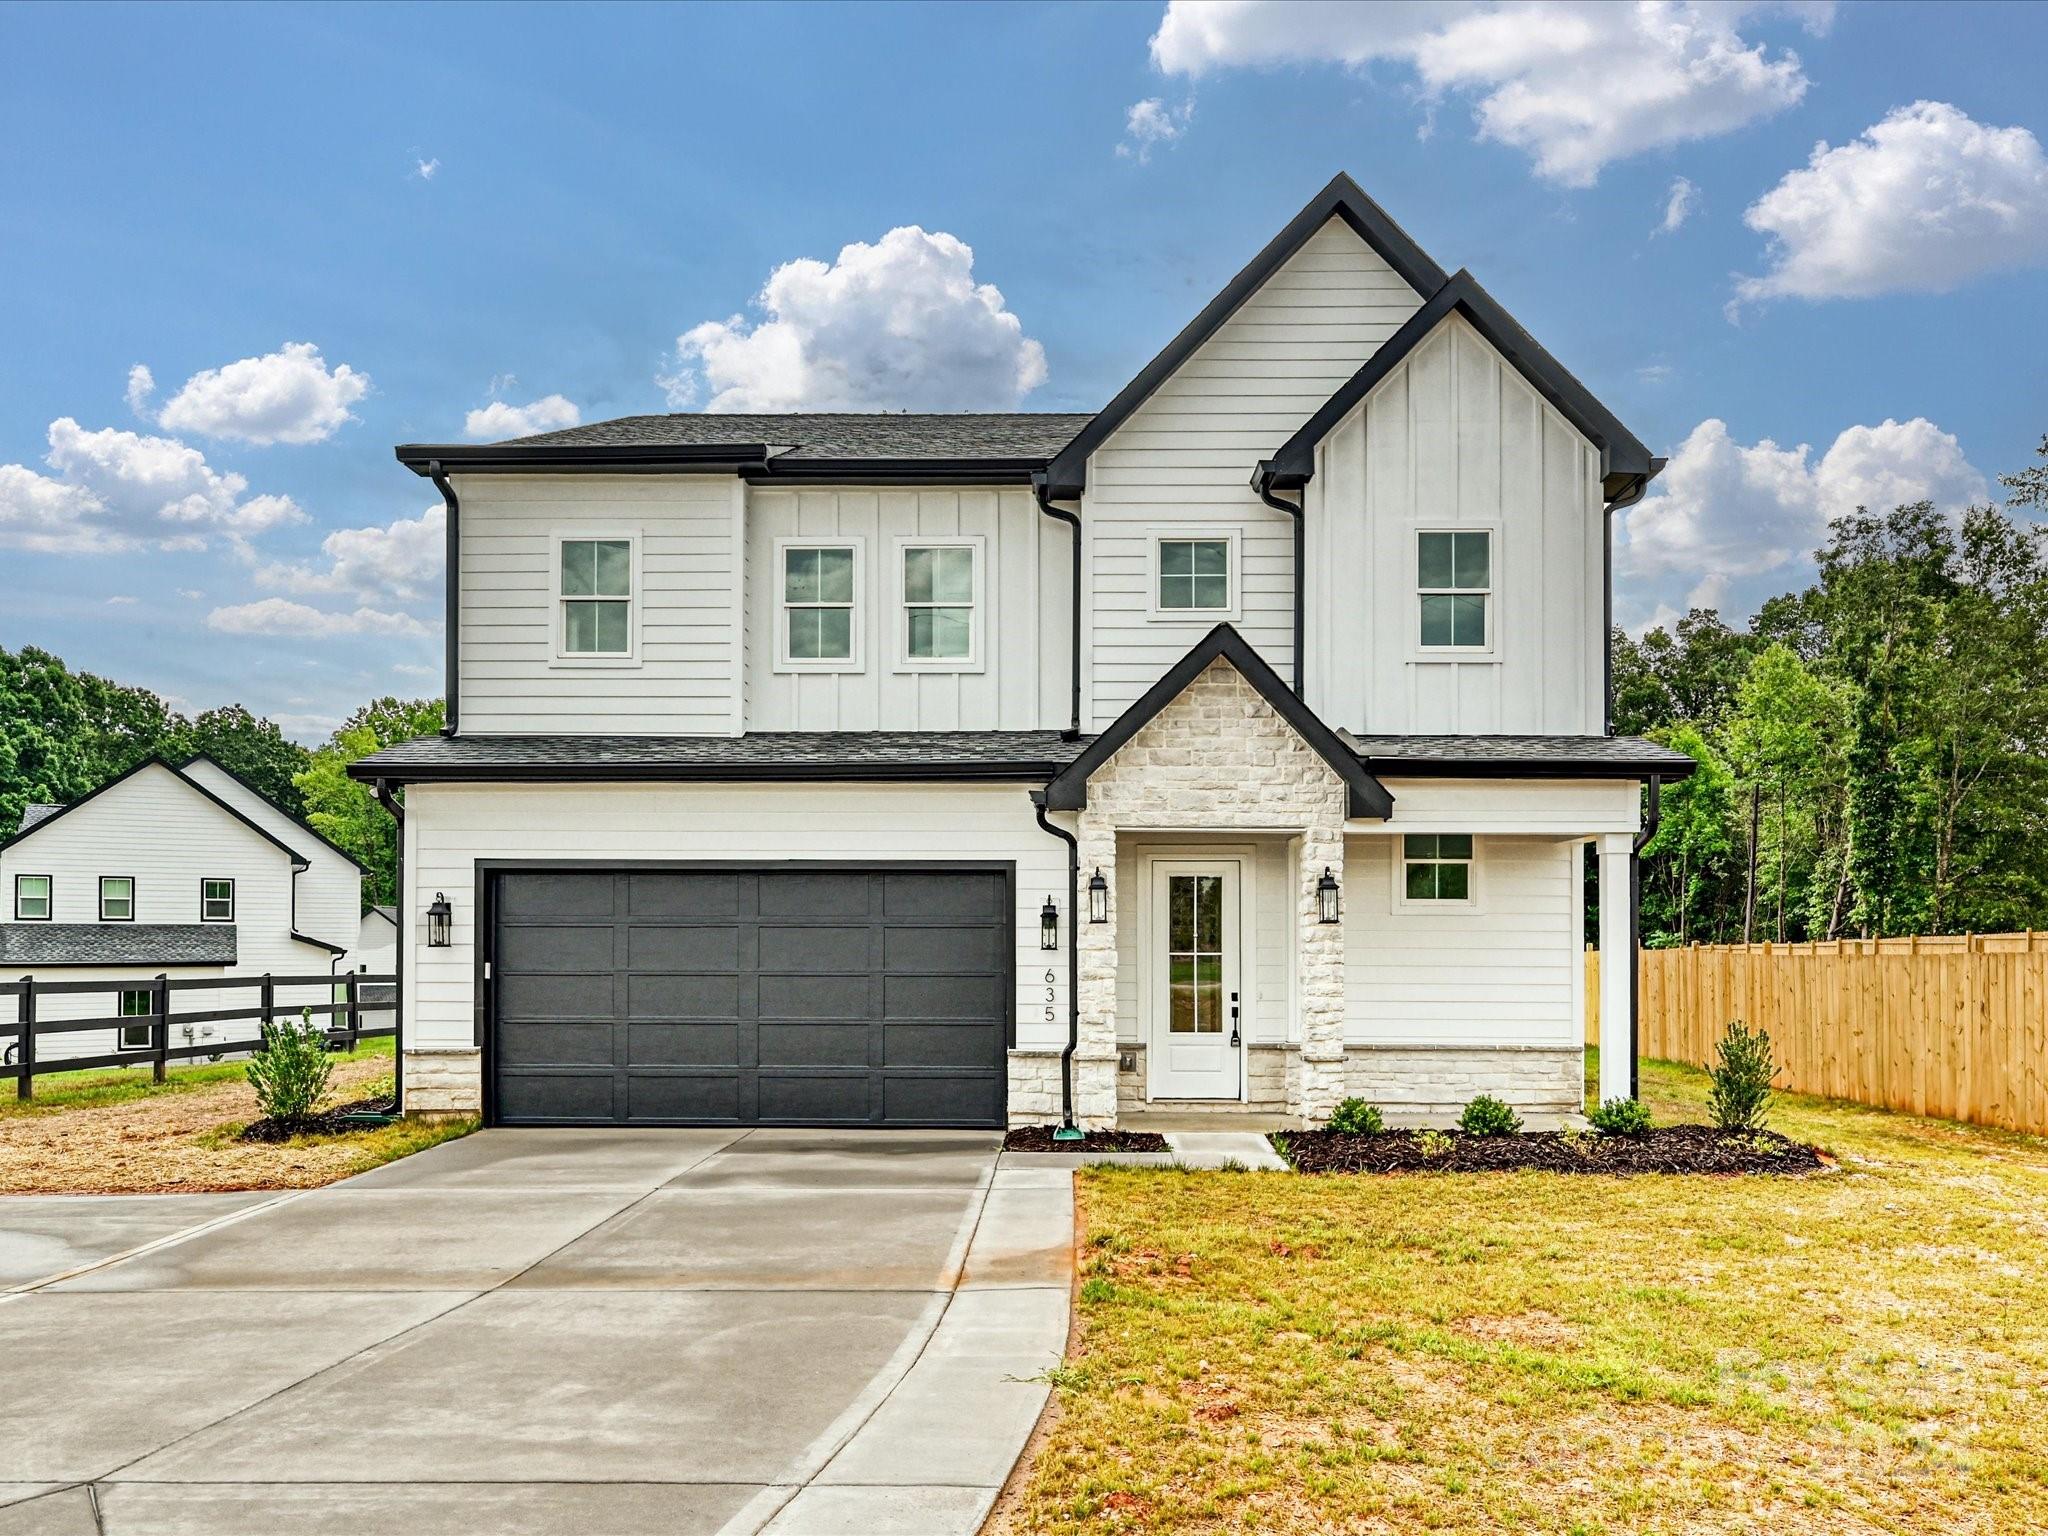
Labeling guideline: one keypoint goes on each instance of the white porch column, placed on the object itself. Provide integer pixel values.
(1617, 964)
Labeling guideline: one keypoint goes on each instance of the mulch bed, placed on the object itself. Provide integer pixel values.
(1038, 1138)
(328, 1122)
(1666, 1149)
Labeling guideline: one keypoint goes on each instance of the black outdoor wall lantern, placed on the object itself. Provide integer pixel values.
(1098, 897)
(1048, 925)
(440, 921)
(1326, 897)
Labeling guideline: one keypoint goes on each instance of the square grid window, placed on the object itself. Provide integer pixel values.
(217, 901)
(1454, 577)
(1436, 866)
(817, 602)
(597, 597)
(1194, 575)
(117, 899)
(136, 1002)
(938, 602)
(31, 898)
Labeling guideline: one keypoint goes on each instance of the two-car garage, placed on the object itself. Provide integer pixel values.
(784, 994)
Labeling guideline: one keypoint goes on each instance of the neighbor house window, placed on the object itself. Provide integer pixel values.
(1436, 866)
(217, 901)
(1194, 576)
(31, 898)
(940, 602)
(595, 590)
(1454, 578)
(136, 1002)
(117, 899)
(818, 583)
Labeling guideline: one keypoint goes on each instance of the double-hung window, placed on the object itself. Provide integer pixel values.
(117, 899)
(1436, 867)
(818, 628)
(1454, 581)
(941, 605)
(1193, 576)
(216, 901)
(594, 580)
(31, 898)
(136, 1002)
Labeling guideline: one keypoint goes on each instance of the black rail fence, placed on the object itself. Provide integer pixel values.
(355, 1004)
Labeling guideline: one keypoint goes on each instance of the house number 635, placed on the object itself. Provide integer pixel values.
(1052, 995)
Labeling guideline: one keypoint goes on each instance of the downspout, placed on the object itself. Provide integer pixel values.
(1041, 490)
(451, 688)
(1635, 923)
(395, 808)
(1068, 1131)
(1299, 514)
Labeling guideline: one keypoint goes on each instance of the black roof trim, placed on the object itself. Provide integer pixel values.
(298, 821)
(1342, 198)
(1068, 791)
(298, 859)
(307, 938)
(1624, 461)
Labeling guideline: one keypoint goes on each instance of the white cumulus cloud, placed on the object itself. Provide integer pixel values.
(1680, 204)
(1923, 201)
(897, 325)
(1728, 525)
(426, 170)
(281, 616)
(403, 560)
(501, 419)
(286, 396)
(1150, 123)
(1575, 84)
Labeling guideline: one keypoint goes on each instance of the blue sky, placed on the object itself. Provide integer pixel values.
(185, 188)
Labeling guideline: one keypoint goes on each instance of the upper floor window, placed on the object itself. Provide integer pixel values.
(594, 581)
(941, 605)
(817, 629)
(136, 1003)
(1454, 579)
(31, 898)
(1194, 576)
(117, 899)
(1436, 867)
(216, 901)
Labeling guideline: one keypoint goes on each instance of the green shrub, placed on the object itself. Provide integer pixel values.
(1355, 1117)
(1488, 1116)
(290, 1072)
(1742, 1072)
(1620, 1117)
(1433, 1143)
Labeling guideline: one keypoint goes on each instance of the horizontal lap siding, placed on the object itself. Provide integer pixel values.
(329, 893)
(1185, 458)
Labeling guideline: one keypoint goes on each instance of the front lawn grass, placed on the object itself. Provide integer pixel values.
(1863, 1350)
(121, 1085)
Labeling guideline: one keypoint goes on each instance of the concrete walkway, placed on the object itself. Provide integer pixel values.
(542, 1331)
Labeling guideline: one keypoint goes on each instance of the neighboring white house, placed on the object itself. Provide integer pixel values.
(1237, 745)
(182, 871)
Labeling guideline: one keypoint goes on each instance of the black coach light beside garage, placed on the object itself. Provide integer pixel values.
(1326, 897)
(440, 922)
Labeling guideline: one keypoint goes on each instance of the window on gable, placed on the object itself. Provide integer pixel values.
(216, 901)
(1437, 866)
(1454, 579)
(117, 899)
(938, 602)
(596, 586)
(136, 1002)
(1194, 575)
(31, 898)
(817, 603)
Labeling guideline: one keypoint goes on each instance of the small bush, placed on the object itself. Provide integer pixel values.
(1355, 1117)
(1433, 1143)
(1488, 1116)
(1742, 1072)
(290, 1073)
(1620, 1117)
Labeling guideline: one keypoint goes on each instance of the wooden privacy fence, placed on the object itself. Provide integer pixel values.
(25, 1037)
(1955, 1025)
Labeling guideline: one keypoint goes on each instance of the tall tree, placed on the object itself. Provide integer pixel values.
(345, 811)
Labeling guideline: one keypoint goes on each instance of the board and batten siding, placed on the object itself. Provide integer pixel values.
(686, 679)
(1184, 460)
(1455, 438)
(449, 828)
(1023, 677)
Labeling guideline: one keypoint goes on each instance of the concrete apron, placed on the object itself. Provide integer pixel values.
(537, 1332)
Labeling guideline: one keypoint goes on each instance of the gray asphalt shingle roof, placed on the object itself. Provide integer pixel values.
(32, 814)
(142, 944)
(1565, 753)
(838, 435)
(815, 752)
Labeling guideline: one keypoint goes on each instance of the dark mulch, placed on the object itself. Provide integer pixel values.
(328, 1122)
(1038, 1138)
(1667, 1149)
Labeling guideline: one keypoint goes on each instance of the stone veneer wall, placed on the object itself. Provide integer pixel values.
(1429, 1085)
(444, 1082)
(1218, 758)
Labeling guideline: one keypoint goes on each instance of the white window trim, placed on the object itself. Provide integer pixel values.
(1473, 877)
(857, 623)
(1416, 591)
(134, 896)
(976, 658)
(121, 1030)
(204, 882)
(557, 655)
(1234, 537)
(49, 898)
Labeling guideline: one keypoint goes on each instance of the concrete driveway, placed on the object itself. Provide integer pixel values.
(596, 1332)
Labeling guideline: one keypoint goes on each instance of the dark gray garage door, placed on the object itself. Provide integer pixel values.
(806, 996)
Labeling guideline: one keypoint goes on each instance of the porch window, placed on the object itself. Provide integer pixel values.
(1437, 867)
(136, 1002)
(818, 582)
(1194, 575)
(594, 590)
(1454, 581)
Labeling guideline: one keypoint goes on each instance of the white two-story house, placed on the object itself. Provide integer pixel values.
(1237, 746)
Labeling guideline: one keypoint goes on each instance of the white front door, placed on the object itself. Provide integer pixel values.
(1196, 1044)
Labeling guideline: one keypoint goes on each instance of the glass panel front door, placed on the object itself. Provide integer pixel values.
(1196, 1048)
(1194, 965)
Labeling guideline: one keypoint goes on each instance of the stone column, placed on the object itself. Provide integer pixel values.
(1320, 974)
(1095, 1056)
(1617, 965)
